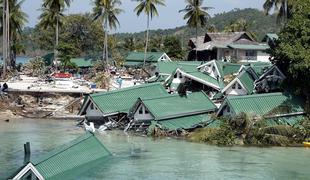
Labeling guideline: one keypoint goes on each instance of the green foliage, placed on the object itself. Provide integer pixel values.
(66, 53)
(258, 23)
(148, 7)
(282, 8)
(36, 66)
(222, 136)
(173, 47)
(291, 53)
(17, 20)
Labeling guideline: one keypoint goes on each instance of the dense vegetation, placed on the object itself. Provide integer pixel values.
(88, 37)
(258, 23)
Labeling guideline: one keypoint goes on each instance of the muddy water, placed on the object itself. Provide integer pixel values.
(145, 158)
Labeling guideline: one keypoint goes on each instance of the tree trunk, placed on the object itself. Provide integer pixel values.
(56, 44)
(196, 43)
(147, 39)
(106, 43)
(4, 39)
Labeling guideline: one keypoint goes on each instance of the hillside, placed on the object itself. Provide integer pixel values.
(257, 21)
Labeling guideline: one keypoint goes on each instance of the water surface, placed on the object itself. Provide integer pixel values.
(145, 158)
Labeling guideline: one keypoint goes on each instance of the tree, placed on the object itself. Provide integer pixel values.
(149, 8)
(106, 12)
(66, 53)
(282, 8)
(291, 52)
(36, 66)
(52, 11)
(173, 47)
(17, 20)
(239, 26)
(196, 15)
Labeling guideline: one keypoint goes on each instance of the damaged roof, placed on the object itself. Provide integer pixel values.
(264, 104)
(222, 40)
(120, 101)
(174, 106)
(71, 159)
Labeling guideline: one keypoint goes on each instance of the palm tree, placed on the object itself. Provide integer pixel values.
(196, 15)
(282, 8)
(149, 8)
(106, 12)
(12, 27)
(52, 11)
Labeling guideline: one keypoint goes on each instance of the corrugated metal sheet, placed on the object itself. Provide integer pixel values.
(262, 104)
(207, 78)
(226, 68)
(61, 162)
(171, 66)
(120, 101)
(81, 62)
(293, 120)
(177, 106)
(139, 56)
(186, 122)
(250, 46)
(247, 81)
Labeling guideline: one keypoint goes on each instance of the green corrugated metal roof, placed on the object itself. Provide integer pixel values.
(169, 67)
(226, 68)
(120, 101)
(133, 63)
(177, 106)
(262, 104)
(186, 122)
(82, 63)
(139, 56)
(61, 162)
(285, 120)
(207, 78)
(247, 81)
(250, 46)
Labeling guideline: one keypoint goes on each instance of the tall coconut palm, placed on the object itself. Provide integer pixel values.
(281, 7)
(52, 11)
(106, 12)
(196, 15)
(149, 8)
(17, 20)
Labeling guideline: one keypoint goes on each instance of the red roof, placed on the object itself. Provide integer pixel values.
(62, 75)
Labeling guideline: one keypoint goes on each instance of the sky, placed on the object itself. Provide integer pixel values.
(169, 17)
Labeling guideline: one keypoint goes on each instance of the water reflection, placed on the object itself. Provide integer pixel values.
(144, 158)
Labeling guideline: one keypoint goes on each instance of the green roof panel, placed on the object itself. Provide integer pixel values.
(139, 57)
(247, 81)
(173, 106)
(249, 46)
(264, 104)
(61, 162)
(82, 63)
(186, 122)
(120, 101)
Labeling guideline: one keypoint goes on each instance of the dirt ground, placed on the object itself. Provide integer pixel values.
(28, 106)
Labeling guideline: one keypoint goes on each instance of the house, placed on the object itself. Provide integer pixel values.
(136, 59)
(116, 104)
(255, 79)
(172, 108)
(219, 69)
(236, 46)
(193, 80)
(67, 161)
(164, 69)
(243, 84)
(82, 63)
(263, 105)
